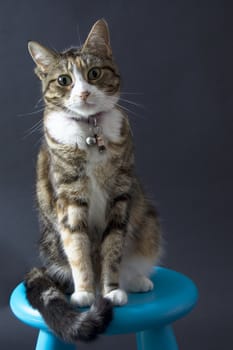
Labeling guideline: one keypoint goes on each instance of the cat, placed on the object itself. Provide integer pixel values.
(100, 234)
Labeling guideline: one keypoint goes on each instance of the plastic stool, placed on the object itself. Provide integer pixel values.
(149, 315)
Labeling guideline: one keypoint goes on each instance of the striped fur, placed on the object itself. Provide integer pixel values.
(100, 234)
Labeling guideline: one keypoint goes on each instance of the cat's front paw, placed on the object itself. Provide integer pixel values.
(82, 298)
(117, 297)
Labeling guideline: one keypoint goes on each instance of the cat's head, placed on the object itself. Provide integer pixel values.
(82, 81)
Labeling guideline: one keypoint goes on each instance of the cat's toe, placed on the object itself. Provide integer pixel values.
(146, 285)
(117, 297)
(140, 284)
(82, 298)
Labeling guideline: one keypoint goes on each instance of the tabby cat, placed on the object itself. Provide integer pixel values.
(100, 234)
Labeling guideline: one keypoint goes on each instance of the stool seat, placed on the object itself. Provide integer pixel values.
(174, 295)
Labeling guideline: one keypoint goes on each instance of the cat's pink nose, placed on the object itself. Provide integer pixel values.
(84, 95)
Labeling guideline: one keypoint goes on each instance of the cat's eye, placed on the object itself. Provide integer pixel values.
(94, 73)
(64, 80)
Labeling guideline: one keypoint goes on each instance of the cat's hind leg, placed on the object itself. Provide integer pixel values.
(142, 249)
(139, 284)
(135, 271)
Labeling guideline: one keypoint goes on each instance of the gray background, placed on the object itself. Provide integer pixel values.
(178, 55)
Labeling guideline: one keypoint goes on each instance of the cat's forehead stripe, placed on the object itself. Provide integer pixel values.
(70, 65)
(78, 62)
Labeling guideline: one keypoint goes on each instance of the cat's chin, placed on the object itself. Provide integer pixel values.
(87, 109)
(77, 113)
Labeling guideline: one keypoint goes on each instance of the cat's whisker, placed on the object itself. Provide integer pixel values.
(131, 93)
(128, 110)
(36, 127)
(31, 113)
(40, 139)
(132, 102)
(39, 102)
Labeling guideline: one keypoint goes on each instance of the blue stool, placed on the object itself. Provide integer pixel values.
(149, 315)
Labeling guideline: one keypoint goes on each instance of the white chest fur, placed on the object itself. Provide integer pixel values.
(70, 132)
(67, 131)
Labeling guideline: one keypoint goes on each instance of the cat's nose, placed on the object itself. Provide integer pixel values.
(84, 95)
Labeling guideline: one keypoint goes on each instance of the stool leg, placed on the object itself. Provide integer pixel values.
(48, 341)
(157, 339)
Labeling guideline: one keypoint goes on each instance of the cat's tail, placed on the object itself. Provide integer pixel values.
(66, 322)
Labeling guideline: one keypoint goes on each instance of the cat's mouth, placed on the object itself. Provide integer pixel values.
(83, 108)
(81, 105)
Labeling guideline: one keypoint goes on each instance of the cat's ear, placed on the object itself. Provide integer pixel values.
(98, 40)
(42, 56)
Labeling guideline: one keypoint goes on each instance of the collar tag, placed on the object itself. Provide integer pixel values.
(97, 135)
